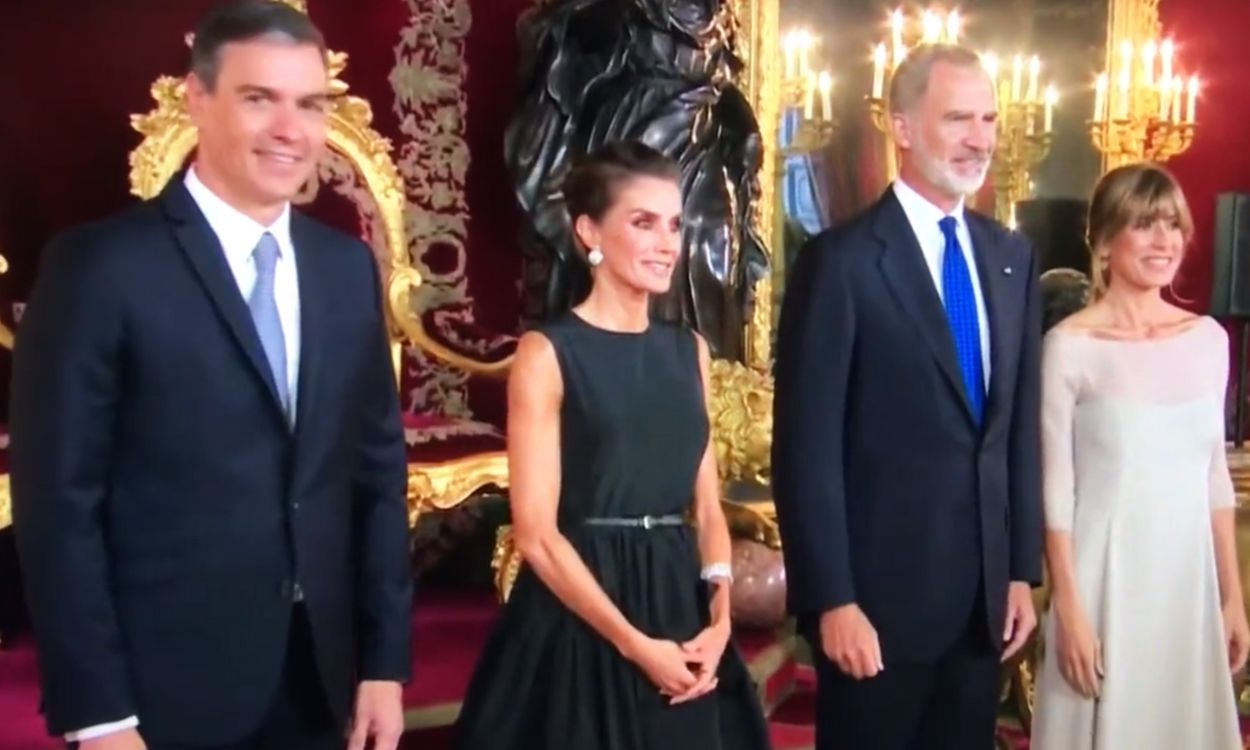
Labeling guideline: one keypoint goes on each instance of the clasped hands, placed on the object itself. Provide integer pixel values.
(682, 671)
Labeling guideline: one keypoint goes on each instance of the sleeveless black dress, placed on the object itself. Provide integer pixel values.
(633, 431)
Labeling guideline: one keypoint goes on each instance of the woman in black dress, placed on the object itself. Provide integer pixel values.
(616, 635)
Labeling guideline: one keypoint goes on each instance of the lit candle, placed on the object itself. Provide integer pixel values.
(878, 72)
(1166, 53)
(989, 61)
(1100, 98)
(1178, 93)
(1148, 54)
(1035, 66)
(1126, 61)
(1122, 101)
(932, 27)
(809, 100)
(826, 96)
(805, 47)
(1048, 121)
(896, 35)
(790, 47)
(953, 27)
(1017, 72)
(1193, 99)
(1165, 98)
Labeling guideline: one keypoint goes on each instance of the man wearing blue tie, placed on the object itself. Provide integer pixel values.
(208, 461)
(906, 458)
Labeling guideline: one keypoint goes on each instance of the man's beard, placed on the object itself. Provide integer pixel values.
(942, 175)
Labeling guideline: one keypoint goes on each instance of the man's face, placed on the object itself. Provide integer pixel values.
(948, 137)
(262, 128)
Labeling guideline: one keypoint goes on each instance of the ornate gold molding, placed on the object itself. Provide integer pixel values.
(505, 561)
(443, 486)
(6, 502)
(740, 409)
(758, 23)
(6, 333)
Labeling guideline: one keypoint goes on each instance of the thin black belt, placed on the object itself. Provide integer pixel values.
(641, 522)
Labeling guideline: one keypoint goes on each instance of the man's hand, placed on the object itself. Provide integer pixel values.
(1021, 619)
(850, 641)
(123, 739)
(379, 714)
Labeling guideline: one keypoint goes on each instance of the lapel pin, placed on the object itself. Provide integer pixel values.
(1007, 271)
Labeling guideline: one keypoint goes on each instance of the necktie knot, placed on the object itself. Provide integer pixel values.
(948, 225)
(266, 254)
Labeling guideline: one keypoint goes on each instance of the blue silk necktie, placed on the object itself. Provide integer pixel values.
(961, 315)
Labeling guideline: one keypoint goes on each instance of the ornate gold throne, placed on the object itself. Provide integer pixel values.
(439, 478)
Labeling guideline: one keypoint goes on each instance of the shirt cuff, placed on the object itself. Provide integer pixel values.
(99, 730)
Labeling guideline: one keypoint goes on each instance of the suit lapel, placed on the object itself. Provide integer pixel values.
(204, 252)
(902, 263)
(992, 280)
(313, 297)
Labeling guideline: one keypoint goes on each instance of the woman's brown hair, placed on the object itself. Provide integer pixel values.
(1128, 196)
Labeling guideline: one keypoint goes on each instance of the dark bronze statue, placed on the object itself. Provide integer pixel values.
(661, 72)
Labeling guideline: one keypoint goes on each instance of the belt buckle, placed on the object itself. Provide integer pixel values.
(646, 522)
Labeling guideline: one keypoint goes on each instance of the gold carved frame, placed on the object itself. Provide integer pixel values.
(757, 24)
(169, 137)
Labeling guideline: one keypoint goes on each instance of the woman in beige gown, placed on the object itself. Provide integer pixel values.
(1146, 621)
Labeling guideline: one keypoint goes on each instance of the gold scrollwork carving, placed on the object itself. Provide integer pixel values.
(6, 502)
(757, 24)
(433, 487)
(505, 561)
(6, 333)
(740, 408)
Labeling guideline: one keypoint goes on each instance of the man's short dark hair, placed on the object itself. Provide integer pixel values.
(243, 21)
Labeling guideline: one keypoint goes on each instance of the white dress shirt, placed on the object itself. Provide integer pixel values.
(924, 217)
(239, 234)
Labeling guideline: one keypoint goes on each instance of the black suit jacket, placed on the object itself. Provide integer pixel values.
(164, 510)
(888, 493)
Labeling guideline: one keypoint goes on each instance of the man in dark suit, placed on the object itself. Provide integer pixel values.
(906, 459)
(208, 462)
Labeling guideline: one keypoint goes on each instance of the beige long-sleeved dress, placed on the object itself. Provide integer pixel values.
(1134, 464)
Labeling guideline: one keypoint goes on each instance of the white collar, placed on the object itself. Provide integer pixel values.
(239, 233)
(920, 211)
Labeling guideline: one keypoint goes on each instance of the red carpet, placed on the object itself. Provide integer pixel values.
(448, 631)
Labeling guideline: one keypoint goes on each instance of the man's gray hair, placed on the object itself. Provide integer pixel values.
(911, 79)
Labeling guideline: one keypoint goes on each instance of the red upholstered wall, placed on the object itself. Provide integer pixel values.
(1211, 41)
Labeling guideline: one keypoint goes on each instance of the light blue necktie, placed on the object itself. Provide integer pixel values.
(961, 315)
(264, 310)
